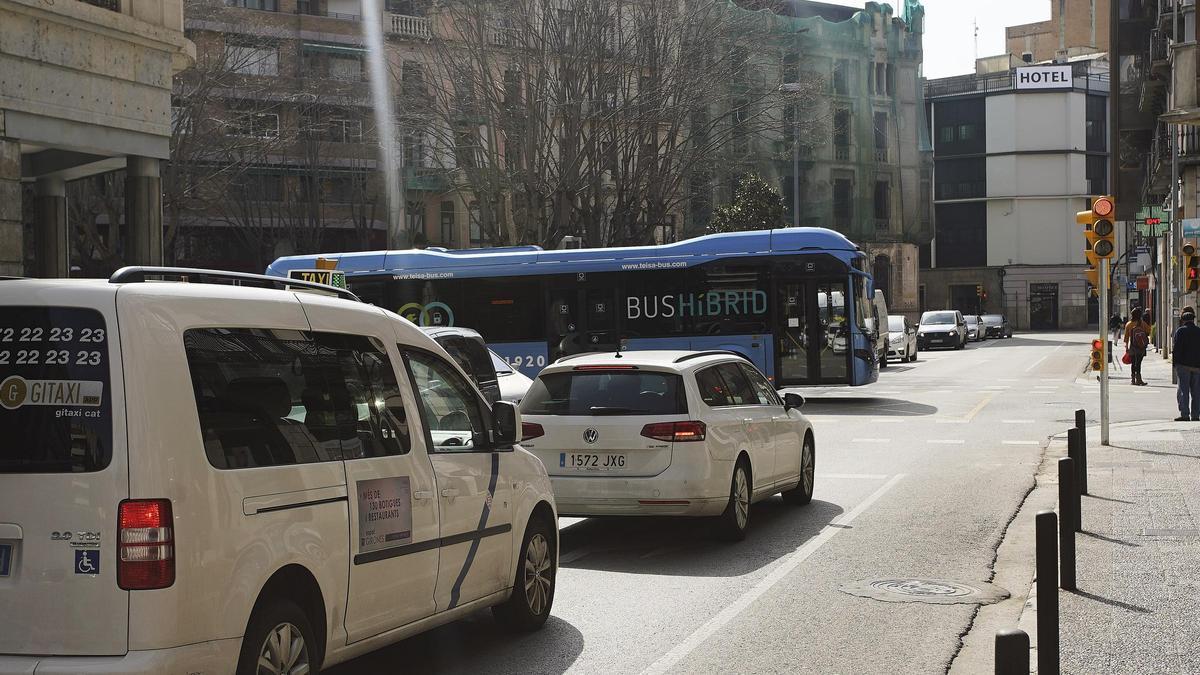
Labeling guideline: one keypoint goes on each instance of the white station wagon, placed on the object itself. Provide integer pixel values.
(667, 433)
(203, 478)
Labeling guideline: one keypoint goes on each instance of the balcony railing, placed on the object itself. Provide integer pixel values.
(313, 8)
(114, 5)
(883, 224)
(841, 153)
(409, 26)
(881, 154)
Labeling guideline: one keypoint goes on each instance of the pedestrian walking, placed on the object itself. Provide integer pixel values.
(1115, 324)
(1137, 338)
(1185, 355)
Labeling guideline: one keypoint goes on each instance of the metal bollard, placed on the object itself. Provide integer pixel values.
(1012, 652)
(1077, 450)
(1080, 418)
(1047, 591)
(1068, 506)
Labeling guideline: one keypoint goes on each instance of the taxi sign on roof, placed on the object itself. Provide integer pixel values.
(335, 278)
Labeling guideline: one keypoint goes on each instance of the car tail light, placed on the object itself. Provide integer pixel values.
(145, 544)
(531, 430)
(676, 432)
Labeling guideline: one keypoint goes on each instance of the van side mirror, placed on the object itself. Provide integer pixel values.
(793, 400)
(506, 420)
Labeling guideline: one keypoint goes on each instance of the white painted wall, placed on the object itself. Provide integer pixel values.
(1033, 196)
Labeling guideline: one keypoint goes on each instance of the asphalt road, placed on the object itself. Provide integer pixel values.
(917, 477)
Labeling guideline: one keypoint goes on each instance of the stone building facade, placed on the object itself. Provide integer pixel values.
(85, 88)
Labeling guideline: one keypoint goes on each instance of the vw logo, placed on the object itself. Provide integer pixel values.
(591, 435)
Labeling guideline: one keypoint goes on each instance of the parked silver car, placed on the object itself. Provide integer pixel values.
(943, 328)
(976, 329)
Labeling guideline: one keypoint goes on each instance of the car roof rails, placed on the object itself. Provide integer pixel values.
(133, 275)
(711, 352)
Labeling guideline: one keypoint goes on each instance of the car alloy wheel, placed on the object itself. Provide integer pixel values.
(537, 573)
(284, 652)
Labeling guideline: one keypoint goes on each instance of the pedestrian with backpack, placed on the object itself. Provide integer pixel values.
(1185, 355)
(1137, 339)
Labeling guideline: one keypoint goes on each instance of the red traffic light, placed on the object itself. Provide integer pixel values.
(1193, 273)
(1097, 344)
(1103, 207)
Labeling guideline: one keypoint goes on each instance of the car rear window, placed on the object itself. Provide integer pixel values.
(55, 399)
(606, 392)
(895, 323)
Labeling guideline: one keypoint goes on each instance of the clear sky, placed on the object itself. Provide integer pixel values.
(949, 29)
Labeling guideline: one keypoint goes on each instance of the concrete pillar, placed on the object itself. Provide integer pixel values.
(143, 211)
(53, 253)
(12, 240)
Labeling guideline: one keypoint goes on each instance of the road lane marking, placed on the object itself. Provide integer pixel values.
(789, 564)
(1035, 363)
(971, 415)
(854, 476)
(947, 441)
(1020, 442)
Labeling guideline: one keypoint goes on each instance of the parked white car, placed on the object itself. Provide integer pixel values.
(667, 433)
(902, 338)
(206, 478)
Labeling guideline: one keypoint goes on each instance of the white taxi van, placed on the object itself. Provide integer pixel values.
(668, 433)
(206, 478)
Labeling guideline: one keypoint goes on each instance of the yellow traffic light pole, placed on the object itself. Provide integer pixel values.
(1100, 232)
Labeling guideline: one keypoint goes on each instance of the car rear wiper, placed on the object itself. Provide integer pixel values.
(613, 410)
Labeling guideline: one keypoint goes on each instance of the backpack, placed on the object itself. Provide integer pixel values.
(1138, 339)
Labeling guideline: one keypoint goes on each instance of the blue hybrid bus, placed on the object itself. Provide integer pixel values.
(796, 301)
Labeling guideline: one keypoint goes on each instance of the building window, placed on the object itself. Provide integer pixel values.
(407, 7)
(881, 137)
(962, 234)
(791, 68)
(346, 68)
(946, 134)
(254, 124)
(447, 223)
(841, 134)
(1097, 174)
(265, 5)
(1097, 123)
(841, 77)
(345, 130)
(961, 178)
(252, 59)
(883, 204)
(843, 200)
(476, 223)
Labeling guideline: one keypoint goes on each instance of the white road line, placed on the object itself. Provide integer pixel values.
(1035, 363)
(870, 440)
(947, 441)
(790, 563)
(1017, 421)
(853, 476)
(1019, 443)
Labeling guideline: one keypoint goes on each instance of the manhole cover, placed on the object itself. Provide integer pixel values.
(934, 591)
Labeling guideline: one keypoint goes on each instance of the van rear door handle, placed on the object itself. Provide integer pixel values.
(450, 492)
(423, 494)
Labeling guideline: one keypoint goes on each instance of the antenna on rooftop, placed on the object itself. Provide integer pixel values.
(975, 23)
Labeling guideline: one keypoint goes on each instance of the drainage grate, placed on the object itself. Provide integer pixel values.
(933, 591)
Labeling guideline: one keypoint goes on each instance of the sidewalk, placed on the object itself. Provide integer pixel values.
(1137, 607)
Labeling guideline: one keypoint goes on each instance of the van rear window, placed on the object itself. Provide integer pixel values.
(55, 399)
(602, 392)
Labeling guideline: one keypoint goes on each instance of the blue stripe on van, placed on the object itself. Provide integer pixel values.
(487, 508)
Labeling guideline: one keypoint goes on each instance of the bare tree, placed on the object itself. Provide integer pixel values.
(585, 118)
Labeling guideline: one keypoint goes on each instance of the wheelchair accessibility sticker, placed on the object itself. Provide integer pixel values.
(87, 561)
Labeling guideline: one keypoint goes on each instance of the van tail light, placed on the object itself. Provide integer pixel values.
(145, 544)
(531, 430)
(676, 432)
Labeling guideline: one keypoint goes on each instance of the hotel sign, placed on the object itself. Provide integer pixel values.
(1043, 77)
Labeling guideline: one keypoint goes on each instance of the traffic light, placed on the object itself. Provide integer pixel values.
(1100, 234)
(979, 290)
(1191, 267)
(1096, 360)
